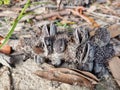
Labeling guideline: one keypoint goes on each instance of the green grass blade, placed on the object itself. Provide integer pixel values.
(15, 23)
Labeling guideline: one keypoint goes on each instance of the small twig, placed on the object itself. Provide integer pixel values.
(64, 7)
(79, 12)
(33, 8)
(104, 15)
(50, 7)
(61, 13)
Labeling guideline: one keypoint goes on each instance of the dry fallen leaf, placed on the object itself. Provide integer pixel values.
(114, 30)
(1, 38)
(114, 66)
(6, 49)
(88, 76)
(68, 76)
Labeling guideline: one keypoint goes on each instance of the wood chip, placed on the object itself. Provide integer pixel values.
(114, 66)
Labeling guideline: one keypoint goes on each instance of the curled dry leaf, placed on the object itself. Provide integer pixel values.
(68, 76)
(38, 50)
(88, 76)
(114, 30)
(114, 66)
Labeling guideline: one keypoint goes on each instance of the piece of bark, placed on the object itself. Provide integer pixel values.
(114, 30)
(66, 76)
(114, 66)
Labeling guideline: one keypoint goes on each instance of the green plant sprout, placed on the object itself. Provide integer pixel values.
(6, 2)
(15, 23)
(60, 24)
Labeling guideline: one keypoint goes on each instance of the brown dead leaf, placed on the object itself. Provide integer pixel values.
(55, 17)
(6, 49)
(88, 76)
(114, 30)
(114, 66)
(1, 38)
(38, 50)
(67, 76)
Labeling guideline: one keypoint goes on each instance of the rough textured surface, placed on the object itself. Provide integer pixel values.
(114, 67)
(22, 76)
(24, 73)
(4, 79)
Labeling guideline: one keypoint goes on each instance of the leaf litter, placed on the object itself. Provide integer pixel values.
(93, 19)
